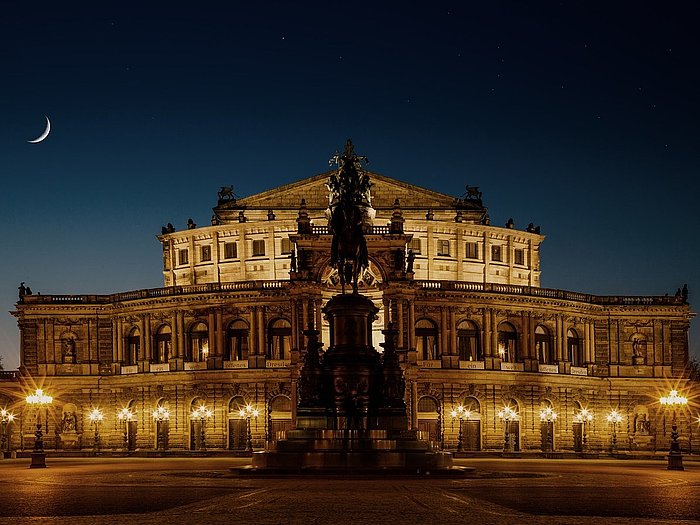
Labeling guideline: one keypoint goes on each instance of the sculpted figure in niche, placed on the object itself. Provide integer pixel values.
(69, 351)
(69, 422)
(638, 347)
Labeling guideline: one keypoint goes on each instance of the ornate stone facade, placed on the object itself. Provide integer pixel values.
(474, 327)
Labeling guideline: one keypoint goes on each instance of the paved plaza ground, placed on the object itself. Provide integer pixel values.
(80, 491)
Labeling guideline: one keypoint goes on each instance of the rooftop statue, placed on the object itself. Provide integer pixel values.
(349, 200)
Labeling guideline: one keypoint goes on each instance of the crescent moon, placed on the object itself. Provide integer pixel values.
(44, 134)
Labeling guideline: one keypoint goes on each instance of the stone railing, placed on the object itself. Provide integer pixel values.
(551, 293)
(376, 230)
(155, 292)
(9, 375)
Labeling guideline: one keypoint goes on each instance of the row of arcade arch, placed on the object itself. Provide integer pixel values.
(277, 418)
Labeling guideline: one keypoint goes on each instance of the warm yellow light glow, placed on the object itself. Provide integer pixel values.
(39, 398)
(673, 399)
(125, 414)
(614, 417)
(161, 413)
(6, 416)
(96, 415)
(460, 412)
(248, 411)
(201, 412)
(508, 414)
(548, 414)
(583, 416)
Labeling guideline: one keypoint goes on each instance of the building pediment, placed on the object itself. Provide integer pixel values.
(385, 191)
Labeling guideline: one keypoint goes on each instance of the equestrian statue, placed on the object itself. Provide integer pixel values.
(349, 200)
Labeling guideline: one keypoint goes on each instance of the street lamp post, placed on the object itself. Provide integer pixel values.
(249, 412)
(6, 418)
(584, 417)
(614, 418)
(96, 416)
(462, 414)
(202, 414)
(125, 415)
(548, 416)
(160, 415)
(675, 456)
(507, 414)
(39, 400)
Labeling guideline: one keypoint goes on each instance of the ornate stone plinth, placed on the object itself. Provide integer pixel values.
(351, 416)
(317, 450)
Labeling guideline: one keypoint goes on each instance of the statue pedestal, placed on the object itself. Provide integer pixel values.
(352, 413)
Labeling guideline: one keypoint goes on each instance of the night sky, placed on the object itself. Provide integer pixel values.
(581, 117)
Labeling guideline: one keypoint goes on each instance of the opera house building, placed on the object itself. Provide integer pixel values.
(174, 368)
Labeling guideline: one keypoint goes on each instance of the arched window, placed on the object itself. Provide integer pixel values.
(544, 349)
(163, 344)
(237, 341)
(198, 347)
(133, 346)
(279, 415)
(427, 340)
(237, 430)
(429, 417)
(471, 426)
(507, 343)
(279, 339)
(574, 348)
(468, 341)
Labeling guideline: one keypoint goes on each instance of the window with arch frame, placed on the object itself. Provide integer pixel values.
(574, 348)
(163, 344)
(279, 339)
(198, 347)
(237, 340)
(427, 340)
(468, 341)
(508, 343)
(133, 347)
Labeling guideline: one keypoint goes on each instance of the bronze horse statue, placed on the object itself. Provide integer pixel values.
(349, 248)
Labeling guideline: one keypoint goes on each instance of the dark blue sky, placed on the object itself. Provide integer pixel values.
(579, 116)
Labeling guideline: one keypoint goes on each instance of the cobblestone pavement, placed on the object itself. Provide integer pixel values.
(202, 490)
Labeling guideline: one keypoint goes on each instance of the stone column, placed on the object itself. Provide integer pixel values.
(211, 359)
(399, 322)
(319, 319)
(147, 337)
(115, 339)
(486, 333)
(174, 332)
(219, 333)
(414, 405)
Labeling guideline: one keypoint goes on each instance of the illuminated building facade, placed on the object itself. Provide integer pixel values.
(474, 329)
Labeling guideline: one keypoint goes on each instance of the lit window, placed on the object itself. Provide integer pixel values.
(444, 248)
(184, 257)
(206, 253)
(496, 253)
(544, 349)
(258, 248)
(427, 340)
(279, 339)
(415, 246)
(468, 345)
(508, 343)
(230, 250)
(198, 348)
(472, 250)
(519, 256)
(286, 246)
